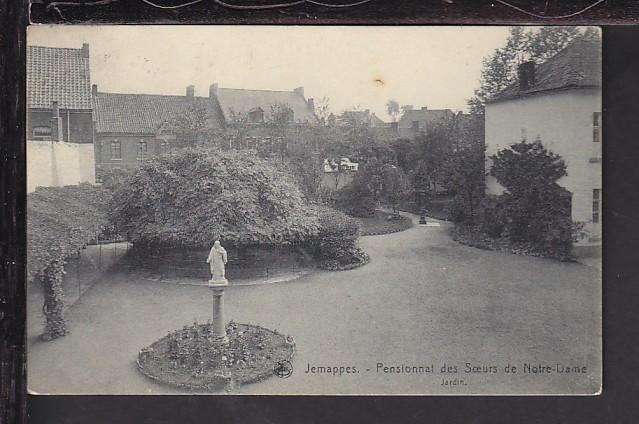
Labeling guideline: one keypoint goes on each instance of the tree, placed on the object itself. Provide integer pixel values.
(392, 107)
(464, 172)
(395, 186)
(536, 207)
(190, 125)
(322, 110)
(500, 69)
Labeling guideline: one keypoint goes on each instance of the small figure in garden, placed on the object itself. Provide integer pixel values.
(216, 260)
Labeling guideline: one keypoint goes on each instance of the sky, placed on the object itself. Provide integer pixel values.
(354, 67)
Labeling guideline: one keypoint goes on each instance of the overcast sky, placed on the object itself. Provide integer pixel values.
(363, 67)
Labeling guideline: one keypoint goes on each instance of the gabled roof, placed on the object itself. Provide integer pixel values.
(578, 65)
(423, 115)
(58, 74)
(143, 113)
(241, 101)
(362, 117)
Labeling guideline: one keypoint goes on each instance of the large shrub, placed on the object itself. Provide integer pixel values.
(60, 222)
(356, 198)
(536, 208)
(335, 245)
(196, 196)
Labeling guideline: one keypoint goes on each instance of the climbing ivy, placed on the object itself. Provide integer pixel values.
(60, 222)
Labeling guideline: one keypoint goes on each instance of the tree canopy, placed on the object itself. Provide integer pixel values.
(198, 195)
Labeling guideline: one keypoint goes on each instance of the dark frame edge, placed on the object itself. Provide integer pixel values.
(13, 21)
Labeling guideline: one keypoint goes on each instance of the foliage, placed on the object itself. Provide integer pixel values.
(356, 198)
(394, 186)
(198, 195)
(392, 108)
(463, 172)
(536, 208)
(112, 178)
(60, 222)
(500, 69)
(335, 245)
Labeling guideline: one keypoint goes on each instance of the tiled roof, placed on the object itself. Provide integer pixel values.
(58, 74)
(363, 117)
(242, 101)
(578, 65)
(424, 116)
(143, 113)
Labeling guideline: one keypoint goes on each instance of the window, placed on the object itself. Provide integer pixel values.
(165, 147)
(596, 127)
(116, 150)
(42, 133)
(256, 116)
(596, 205)
(142, 149)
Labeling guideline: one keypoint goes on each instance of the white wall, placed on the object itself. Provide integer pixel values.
(56, 164)
(563, 120)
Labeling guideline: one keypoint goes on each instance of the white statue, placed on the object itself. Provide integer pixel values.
(217, 260)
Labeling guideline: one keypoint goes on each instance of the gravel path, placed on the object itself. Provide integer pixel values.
(424, 300)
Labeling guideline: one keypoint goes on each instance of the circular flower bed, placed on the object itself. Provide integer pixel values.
(359, 258)
(190, 358)
(384, 223)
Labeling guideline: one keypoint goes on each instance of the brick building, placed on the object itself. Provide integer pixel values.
(130, 127)
(59, 117)
(59, 94)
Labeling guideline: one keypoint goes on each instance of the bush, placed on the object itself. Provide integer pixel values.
(195, 196)
(335, 246)
(355, 199)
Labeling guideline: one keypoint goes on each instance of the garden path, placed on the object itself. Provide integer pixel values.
(422, 300)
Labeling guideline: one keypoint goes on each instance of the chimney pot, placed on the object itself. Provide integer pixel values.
(526, 74)
(213, 88)
(190, 91)
(94, 90)
(85, 50)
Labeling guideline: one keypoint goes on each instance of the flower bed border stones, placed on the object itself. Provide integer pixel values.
(361, 258)
(403, 223)
(218, 379)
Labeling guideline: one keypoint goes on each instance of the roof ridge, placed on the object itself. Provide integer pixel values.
(257, 89)
(55, 48)
(152, 95)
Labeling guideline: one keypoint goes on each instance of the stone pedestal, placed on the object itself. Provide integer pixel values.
(219, 322)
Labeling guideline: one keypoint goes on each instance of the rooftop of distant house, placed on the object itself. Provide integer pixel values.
(365, 117)
(423, 115)
(147, 113)
(578, 65)
(58, 75)
(242, 101)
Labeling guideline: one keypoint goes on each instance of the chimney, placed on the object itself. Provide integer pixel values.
(56, 123)
(84, 51)
(526, 73)
(94, 90)
(190, 91)
(311, 104)
(299, 90)
(424, 107)
(213, 90)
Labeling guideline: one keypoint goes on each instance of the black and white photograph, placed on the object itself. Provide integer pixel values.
(327, 210)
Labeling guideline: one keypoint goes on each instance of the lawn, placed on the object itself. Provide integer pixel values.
(384, 223)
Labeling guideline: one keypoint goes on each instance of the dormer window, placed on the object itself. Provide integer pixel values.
(256, 115)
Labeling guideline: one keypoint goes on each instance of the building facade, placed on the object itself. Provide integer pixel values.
(559, 103)
(130, 128)
(59, 117)
(414, 122)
